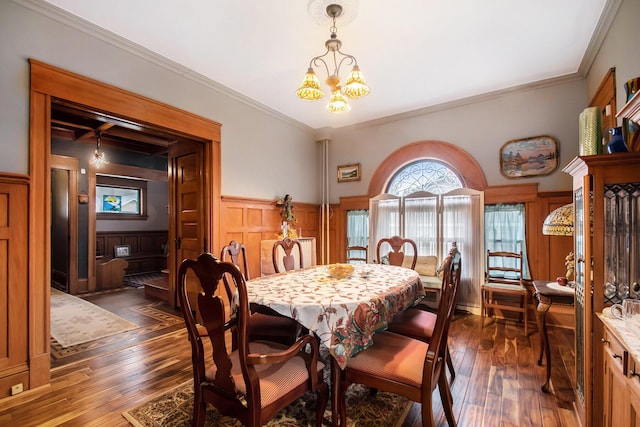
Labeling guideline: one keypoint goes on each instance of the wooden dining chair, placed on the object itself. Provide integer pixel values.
(236, 253)
(247, 380)
(418, 323)
(288, 260)
(396, 255)
(504, 287)
(265, 323)
(403, 365)
(358, 254)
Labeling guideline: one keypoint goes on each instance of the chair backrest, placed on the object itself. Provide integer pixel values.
(396, 256)
(224, 309)
(452, 267)
(288, 260)
(357, 253)
(233, 253)
(233, 383)
(504, 267)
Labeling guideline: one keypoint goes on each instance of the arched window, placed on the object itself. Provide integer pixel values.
(431, 192)
(424, 175)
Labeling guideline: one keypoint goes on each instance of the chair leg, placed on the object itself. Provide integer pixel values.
(526, 315)
(199, 410)
(322, 394)
(445, 397)
(427, 405)
(482, 308)
(452, 371)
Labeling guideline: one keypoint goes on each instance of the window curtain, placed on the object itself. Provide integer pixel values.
(384, 216)
(421, 222)
(504, 230)
(358, 227)
(357, 232)
(462, 222)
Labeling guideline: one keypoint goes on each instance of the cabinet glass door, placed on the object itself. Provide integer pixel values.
(580, 291)
(621, 235)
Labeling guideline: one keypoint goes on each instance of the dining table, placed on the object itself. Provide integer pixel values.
(344, 313)
(547, 293)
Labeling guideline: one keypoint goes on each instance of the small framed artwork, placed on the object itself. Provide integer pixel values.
(120, 251)
(535, 156)
(111, 203)
(349, 172)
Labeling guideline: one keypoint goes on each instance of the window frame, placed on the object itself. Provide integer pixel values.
(123, 183)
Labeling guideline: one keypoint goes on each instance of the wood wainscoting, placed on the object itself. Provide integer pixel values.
(250, 221)
(14, 290)
(147, 249)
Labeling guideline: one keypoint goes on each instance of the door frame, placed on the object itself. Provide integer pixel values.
(49, 82)
(70, 165)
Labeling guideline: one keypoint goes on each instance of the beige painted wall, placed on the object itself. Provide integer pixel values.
(480, 128)
(261, 149)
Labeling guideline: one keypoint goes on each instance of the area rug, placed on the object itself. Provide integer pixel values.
(174, 408)
(75, 321)
(138, 280)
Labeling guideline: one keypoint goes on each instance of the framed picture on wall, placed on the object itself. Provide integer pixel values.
(349, 172)
(111, 203)
(120, 251)
(535, 156)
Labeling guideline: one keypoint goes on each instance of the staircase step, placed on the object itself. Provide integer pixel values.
(157, 288)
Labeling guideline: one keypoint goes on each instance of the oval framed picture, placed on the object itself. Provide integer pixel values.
(535, 156)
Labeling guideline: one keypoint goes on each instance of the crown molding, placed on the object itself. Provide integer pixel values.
(72, 21)
(602, 28)
(467, 101)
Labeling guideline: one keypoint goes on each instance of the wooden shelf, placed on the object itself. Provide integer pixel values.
(631, 109)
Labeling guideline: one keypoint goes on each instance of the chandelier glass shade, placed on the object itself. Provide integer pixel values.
(559, 222)
(338, 103)
(98, 160)
(354, 86)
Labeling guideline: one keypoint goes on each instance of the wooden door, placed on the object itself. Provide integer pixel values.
(187, 225)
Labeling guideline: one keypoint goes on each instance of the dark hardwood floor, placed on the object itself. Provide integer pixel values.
(498, 380)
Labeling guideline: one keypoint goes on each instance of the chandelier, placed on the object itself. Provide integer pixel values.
(332, 60)
(98, 160)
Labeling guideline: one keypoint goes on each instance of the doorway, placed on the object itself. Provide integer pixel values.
(64, 220)
(49, 83)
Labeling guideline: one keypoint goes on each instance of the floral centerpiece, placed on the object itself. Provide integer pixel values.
(288, 219)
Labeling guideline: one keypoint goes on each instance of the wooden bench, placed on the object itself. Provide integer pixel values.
(147, 255)
(110, 273)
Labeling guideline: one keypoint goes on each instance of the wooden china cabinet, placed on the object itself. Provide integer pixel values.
(606, 196)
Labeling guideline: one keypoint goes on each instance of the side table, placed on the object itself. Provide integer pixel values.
(547, 293)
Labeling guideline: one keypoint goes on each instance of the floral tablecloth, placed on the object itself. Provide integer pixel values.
(343, 313)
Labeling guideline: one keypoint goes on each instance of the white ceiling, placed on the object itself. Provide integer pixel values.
(414, 53)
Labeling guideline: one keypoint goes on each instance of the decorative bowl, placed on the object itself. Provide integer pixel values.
(340, 271)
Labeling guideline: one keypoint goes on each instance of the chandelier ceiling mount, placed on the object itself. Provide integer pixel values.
(332, 60)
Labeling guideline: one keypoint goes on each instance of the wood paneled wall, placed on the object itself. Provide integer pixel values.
(14, 349)
(249, 221)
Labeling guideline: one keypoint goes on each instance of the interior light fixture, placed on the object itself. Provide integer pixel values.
(98, 160)
(560, 223)
(332, 60)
